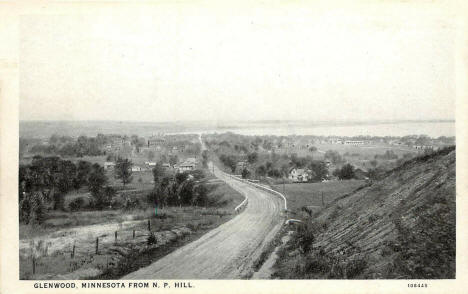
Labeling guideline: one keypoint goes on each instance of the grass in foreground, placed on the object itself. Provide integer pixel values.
(173, 226)
(301, 195)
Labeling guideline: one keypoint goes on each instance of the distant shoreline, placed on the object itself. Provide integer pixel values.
(432, 128)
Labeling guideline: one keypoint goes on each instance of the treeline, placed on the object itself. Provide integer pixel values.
(182, 189)
(47, 180)
(67, 146)
(275, 165)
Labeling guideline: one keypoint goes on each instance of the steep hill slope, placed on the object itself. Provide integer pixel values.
(402, 226)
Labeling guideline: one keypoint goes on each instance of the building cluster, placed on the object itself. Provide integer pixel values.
(189, 164)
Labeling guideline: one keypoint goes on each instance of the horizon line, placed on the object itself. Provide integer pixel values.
(245, 121)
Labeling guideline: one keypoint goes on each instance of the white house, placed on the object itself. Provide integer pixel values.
(354, 143)
(109, 165)
(186, 166)
(298, 175)
(136, 168)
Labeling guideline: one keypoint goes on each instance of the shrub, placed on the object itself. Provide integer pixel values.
(152, 239)
(76, 204)
(355, 267)
(305, 238)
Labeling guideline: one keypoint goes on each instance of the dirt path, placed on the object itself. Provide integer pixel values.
(83, 237)
(266, 271)
(229, 251)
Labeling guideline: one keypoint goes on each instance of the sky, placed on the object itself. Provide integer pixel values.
(181, 62)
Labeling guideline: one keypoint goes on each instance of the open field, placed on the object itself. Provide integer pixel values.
(310, 194)
(52, 242)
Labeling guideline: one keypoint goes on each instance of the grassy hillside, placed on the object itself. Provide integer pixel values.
(303, 195)
(401, 227)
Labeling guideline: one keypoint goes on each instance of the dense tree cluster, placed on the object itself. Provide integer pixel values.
(123, 170)
(183, 189)
(47, 179)
(346, 172)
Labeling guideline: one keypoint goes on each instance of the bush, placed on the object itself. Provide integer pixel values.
(355, 267)
(76, 204)
(32, 209)
(305, 238)
(152, 239)
(345, 173)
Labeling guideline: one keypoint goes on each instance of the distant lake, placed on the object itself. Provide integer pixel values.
(44, 129)
(432, 129)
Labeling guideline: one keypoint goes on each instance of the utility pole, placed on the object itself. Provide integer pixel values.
(283, 186)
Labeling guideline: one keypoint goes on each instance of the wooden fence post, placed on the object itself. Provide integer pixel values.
(73, 251)
(115, 236)
(133, 234)
(149, 225)
(34, 265)
(97, 245)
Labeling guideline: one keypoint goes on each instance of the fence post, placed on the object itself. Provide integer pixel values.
(115, 236)
(97, 245)
(133, 234)
(73, 251)
(34, 265)
(149, 225)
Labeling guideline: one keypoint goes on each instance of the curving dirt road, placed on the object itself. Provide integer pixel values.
(229, 251)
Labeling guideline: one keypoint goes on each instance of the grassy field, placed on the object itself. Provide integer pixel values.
(172, 227)
(310, 194)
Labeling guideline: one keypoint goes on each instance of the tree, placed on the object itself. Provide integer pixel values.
(205, 158)
(201, 195)
(345, 173)
(181, 177)
(109, 193)
(123, 170)
(252, 157)
(32, 209)
(261, 171)
(173, 159)
(245, 173)
(172, 194)
(96, 180)
(158, 173)
(228, 161)
(150, 155)
(82, 173)
(333, 156)
(319, 169)
(186, 193)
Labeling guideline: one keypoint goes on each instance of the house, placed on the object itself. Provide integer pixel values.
(166, 165)
(109, 165)
(150, 163)
(241, 164)
(355, 143)
(155, 141)
(188, 165)
(136, 168)
(298, 175)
